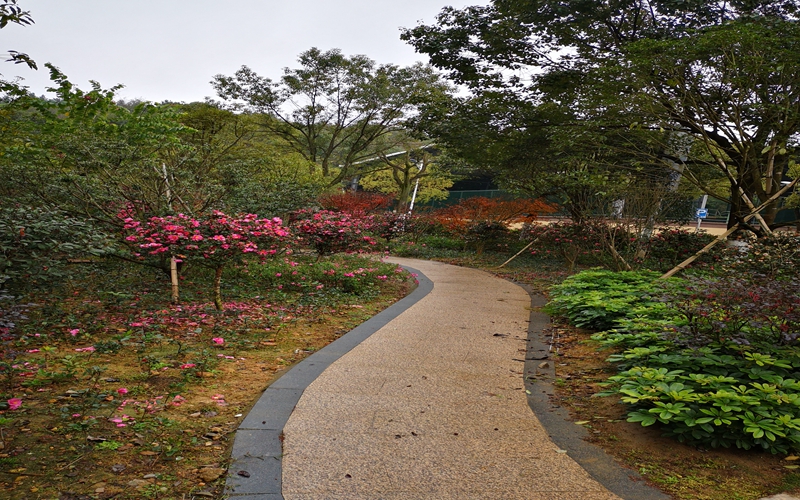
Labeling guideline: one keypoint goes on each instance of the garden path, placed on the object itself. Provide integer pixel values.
(429, 404)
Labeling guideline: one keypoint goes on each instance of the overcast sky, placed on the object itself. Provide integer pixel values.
(170, 49)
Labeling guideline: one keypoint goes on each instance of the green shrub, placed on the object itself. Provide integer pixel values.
(715, 362)
(668, 248)
(721, 395)
(597, 299)
(481, 234)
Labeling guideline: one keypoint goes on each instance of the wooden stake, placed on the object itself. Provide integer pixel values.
(727, 233)
(173, 273)
(683, 265)
(525, 248)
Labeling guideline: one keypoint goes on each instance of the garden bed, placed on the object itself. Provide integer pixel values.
(121, 395)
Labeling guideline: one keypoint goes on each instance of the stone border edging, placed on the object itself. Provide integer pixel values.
(257, 447)
(558, 424)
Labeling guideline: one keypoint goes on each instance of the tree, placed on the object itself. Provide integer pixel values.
(10, 12)
(85, 155)
(213, 241)
(334, 110)
(643, 75)
(404, 173)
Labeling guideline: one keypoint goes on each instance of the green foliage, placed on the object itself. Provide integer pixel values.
(35, 242)
(774, 257)
(721, 395)
(108, 445)
(598, 299)
(334, 110)
(482, 233)
(669, 247)
(713, 361)
(327, 282)
(623, 91)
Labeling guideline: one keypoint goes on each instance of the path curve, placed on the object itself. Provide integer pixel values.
(425, 401)
(432, 406)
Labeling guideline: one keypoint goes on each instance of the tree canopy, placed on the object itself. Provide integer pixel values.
(333, 109)
(703, 89)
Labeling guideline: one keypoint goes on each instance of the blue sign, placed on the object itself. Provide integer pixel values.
(701, 213)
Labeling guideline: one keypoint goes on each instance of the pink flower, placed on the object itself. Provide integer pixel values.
(14, 403)
(33, 351)
(85, 349)
(75, 331)
(187, 366)
(218, 340)
(122, 391)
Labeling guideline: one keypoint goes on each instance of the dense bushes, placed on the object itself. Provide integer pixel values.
(602, 243)
(597, 299)
(36, 242)
(714, 361)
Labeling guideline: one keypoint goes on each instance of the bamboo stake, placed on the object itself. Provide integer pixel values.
(683, 265)
(525, 248)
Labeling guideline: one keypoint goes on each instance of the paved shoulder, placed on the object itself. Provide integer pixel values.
(432, 406)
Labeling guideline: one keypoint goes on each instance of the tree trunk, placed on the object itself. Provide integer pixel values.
(217, 291)
(173, 274)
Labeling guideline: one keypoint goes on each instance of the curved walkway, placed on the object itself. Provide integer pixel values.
(431, 405)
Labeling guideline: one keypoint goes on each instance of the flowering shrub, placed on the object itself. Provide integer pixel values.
(330, 232)
(777, 256)
(669, 247)
(211, 241)
(389, 225)
(567, 240)
(480, 209)
(737, 309)
(218, 237)
(482, 233)
(358, 203)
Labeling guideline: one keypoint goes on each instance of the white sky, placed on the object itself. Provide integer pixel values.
(170, 49)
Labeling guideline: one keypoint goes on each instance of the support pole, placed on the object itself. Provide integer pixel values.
(173, 273)
(525, 248)
(753, 213)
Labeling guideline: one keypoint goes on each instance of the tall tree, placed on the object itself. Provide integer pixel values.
(644, 75)
(334, 110)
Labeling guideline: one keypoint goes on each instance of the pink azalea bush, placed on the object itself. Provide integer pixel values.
(331, 232)
(212, 241)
